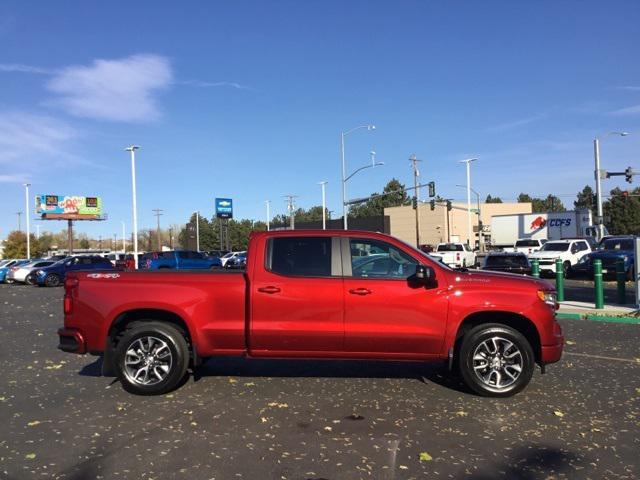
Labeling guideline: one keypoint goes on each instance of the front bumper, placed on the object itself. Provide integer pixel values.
(71, 341)
(552, 353)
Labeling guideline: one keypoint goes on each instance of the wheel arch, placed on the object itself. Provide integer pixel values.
(511, 319)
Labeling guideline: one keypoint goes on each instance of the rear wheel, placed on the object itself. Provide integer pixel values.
(30, 279)
(152, 358)
(496, 360)
(52, 280)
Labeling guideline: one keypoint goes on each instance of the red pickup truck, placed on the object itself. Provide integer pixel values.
(315, 294)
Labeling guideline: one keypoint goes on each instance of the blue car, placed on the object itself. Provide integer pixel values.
(54, 275)
(614, 248)
(6, 266)
(180, 260)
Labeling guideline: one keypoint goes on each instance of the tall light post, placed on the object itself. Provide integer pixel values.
(344, 169)
(469, 229)
(132, 149)
(480, 243)
(197, 230)
(124, 245)
(19, 214)
(323, 185)
(26, 209)
(268, 204)
(598, 176)
(38, 232)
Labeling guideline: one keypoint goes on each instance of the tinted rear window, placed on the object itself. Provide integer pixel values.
(527, 243)
(507, 261)
(450, 247)
(618, 244)
(300, 256)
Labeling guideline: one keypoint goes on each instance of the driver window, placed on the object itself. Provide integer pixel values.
(376, 259)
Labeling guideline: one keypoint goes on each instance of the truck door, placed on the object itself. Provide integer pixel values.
(385, 312)
(296, 298)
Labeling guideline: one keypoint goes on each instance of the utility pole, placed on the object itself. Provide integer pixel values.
(132, 150)
(268, 203)
(158, 212)
(323, 184)
(26, 201)
(19, 224)
(416, 173)
(291, 206)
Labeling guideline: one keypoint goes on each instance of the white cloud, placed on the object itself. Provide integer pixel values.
(514, 124)
(30, 142)
(118, 90)
(200, 83)
(21, 68)
(632, 110)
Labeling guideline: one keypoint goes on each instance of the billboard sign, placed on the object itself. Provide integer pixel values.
(68, 207)
(224, 208)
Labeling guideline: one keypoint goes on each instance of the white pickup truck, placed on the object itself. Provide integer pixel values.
(528, 245)
(569, 251)
(455, 255)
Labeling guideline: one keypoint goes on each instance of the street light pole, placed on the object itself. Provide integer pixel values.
(19, 224)
(26, 201)
(598, 178)
(469, 229)
(132, 149)
(323, 185)
(344, 170)
(197, 231)
(268, 203)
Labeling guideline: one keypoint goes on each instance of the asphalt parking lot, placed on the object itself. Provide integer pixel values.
(242, 419)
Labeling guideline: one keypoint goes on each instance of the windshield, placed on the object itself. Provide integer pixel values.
(555, 247)
(527, 243)
(450, 247)
(422, 255)
(618, 244)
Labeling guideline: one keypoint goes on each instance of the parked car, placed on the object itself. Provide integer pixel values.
(302, 297)
(569, 251)
(11, 263)
(181, 260)
(584, 267)
(612, 249)
(114, 258)
(528, 245)
(510, 262)
(455, 255)
(227, 256)
(216, 253)
(25, 273)
(54, 274)
(239, 261)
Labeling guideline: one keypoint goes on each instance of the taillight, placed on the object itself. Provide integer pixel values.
(70, 284)
(457, 256)
(67, 304)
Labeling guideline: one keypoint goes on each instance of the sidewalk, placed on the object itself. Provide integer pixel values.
(610, 313)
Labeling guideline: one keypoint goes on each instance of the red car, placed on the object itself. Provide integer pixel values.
(315, 294)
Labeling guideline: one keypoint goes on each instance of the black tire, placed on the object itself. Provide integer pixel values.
(174, 341)
(30, 279)
(473, 344)
(52, 280)
(566, 269)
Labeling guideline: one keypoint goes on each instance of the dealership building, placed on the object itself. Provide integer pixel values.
(442, 225)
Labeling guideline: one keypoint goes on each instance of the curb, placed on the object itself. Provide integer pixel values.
(599, 318)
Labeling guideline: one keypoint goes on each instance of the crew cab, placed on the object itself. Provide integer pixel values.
(180, 260)
(314, 294)
(456, 255)
(614, 249)
(568, 251)
(54, 274)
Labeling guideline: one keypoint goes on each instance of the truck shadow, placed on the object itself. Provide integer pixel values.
(432, 372)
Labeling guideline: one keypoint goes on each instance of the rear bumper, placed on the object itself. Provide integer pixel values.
(71, 341)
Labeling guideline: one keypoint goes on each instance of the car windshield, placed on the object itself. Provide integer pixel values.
(450, 247)
(618, 244)
(527, 243)
(555, 247)
(507, 261)
(227, 255)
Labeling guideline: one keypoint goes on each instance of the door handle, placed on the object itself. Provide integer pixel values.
(360, 291)
(269, 289)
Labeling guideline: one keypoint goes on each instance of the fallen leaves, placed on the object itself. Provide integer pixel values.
(558, 413)
(462, 413)
(30, 456)
(279, 405)
(569, 342)
(33, 424)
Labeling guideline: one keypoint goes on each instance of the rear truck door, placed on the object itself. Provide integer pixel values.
(296, 297)
(386, 312)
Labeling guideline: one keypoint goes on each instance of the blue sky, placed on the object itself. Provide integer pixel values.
(247, 99)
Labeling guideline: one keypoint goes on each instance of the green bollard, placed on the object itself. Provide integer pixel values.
(559, 280)
(597, 283)
(621, 277)
(535, 268)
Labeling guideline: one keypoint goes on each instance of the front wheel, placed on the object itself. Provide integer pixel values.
(30, 280)
(52, 280)
(152, 358)
(495, 360)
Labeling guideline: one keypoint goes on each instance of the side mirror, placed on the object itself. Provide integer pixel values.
(425, 275)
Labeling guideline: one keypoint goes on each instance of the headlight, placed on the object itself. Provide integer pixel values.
(40, 272)
(550, 298)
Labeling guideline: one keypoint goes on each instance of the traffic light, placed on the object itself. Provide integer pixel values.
(432, 189)
(448, 205)
(628, 174)
(432, 204)
(414, 202)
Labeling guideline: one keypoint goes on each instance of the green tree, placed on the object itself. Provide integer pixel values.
(15, 245)
(524, 198)
(84, 243)
(622, 212)
(586, 199)
(491, 199)
(549, 204)
(397, 196)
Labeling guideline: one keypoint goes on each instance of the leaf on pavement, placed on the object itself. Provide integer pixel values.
(30, 456)
(33, 424)
(558, 413)
(425, 457)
